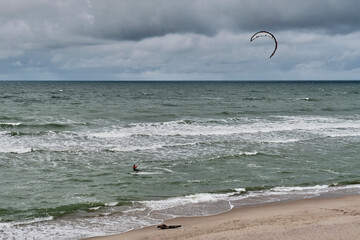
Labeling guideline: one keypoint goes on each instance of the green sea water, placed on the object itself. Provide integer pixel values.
(67, 151)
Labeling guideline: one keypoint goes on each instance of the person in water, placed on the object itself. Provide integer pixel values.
(135, 168)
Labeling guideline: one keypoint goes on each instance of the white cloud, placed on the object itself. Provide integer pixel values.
(17, 63)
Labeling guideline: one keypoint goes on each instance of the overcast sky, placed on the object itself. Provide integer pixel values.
(179, 40)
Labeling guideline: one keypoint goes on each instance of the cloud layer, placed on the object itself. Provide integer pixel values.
(183, 40)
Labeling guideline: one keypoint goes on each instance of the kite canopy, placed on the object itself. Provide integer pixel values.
(264, 34)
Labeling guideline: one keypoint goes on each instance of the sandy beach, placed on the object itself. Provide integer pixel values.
(320, 218)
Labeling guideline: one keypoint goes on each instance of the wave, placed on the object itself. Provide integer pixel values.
(152, 147)
(283, 140)
(179, 202)
(99, 218)
(46, 125)
(24, 150)
(37, 133)
(185, 200)
(307, 99)
(9, 125)
(239, 155)
(39, 214)
(254, 153)
(134, 148)
(170, 105)
(346, 183)
(60, 97)
(60, 211)
(262, 194)
(186, 133)
(255, 98)
(16, 150)
(317, 125)
(169, 123)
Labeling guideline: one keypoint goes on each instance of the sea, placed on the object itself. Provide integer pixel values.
(67, 151)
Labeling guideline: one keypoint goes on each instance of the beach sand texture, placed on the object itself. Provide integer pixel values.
(321, 218)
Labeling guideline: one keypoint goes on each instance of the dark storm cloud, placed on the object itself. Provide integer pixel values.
(37, 21)
(129, 20)
(135, 20)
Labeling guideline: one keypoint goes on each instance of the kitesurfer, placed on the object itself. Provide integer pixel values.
(135, 168)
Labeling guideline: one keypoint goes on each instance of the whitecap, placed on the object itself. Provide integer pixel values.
(249, 153)
(11, 124)
(112, 204)
(184, 200)
(315, 188)
(18, 150)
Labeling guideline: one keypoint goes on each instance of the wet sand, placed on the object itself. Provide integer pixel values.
(320, 218)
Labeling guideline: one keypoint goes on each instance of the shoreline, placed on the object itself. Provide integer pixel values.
(314, 218)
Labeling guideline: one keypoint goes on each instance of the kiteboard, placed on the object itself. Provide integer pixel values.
(145, 173)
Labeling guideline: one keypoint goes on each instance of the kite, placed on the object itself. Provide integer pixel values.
(264, 34)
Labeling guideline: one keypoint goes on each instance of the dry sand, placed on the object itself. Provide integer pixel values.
(331, 218)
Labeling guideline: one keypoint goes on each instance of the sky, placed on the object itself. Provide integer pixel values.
(179, 40)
